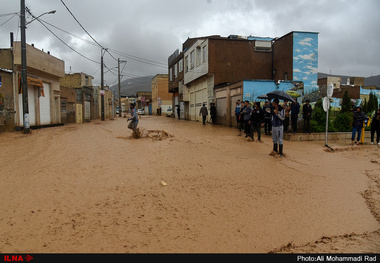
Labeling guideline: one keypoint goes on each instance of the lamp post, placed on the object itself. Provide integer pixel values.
(24, 76)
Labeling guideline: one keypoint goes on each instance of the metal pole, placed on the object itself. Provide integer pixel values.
(327, 123)
(118, 67)
(24, 78)
(102, 84)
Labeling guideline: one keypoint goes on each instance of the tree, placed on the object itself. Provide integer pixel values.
(370, 104)
(318, 118)
(346, 102)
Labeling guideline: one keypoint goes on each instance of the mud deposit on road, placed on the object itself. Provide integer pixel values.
(182, 187)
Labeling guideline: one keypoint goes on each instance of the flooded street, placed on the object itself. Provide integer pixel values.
(90, 188)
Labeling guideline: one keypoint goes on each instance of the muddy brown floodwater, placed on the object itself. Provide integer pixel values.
(183, 187)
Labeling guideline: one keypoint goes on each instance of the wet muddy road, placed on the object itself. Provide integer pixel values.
(90, 188)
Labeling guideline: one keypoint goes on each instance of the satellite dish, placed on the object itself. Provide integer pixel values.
(330, 90)
(326, 104)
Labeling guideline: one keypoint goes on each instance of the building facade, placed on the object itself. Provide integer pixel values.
(44, 72)
(208, 62)
(161, 98)
(85, 109)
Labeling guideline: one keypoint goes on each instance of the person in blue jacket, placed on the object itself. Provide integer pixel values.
(134, 118)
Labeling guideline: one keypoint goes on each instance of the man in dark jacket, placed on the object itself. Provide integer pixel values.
(375, 126)
(357, 124)
(295, 110)
(203, 112)
(268, 110)
(257, 118)
(306, 116)
(246, 117)
(213, 112)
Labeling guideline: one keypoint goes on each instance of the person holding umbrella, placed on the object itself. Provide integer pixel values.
(277, 127)
(277, 120)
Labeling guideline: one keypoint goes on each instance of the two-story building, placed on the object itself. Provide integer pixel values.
(208, 62)
(44, 72)
(81, 84)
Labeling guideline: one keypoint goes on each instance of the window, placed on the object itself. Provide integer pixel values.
(186, 63)
(171, 74)
(175, 71)
(204, 54)
(192, 60)
(180, 66)
(199, 54)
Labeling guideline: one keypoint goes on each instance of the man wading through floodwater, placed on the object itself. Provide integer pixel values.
(134, 120)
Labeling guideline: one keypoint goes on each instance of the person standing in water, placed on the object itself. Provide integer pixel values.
(134, 119)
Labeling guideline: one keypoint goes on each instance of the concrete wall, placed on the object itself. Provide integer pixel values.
(40, 61)
(160, 89)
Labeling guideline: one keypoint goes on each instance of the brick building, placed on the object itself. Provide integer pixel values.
(208, 62)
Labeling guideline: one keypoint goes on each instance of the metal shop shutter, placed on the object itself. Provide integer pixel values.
(45, 106)
(87, 110)
(221, 111)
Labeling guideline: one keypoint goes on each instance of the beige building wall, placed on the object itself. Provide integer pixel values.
(160, 90)
(48, 69)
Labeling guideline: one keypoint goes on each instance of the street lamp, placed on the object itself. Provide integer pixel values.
(46, 13)
(24, 76)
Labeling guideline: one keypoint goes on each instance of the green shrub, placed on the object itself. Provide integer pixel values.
(343, 122)
(318, 119)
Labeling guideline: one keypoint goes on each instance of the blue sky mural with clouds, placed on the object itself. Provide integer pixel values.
(305, 59)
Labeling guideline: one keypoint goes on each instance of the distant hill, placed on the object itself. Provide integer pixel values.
(129, 87)
(369, 81)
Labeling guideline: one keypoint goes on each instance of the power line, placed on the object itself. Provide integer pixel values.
(81, 25)
(60, 38)
(9, 19)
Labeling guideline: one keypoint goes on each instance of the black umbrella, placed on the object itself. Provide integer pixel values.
(281, 95)
(263, 97)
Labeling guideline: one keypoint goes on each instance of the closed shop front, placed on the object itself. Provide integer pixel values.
(44, 101)
(32, 106)
(221, 114)
(87, 111)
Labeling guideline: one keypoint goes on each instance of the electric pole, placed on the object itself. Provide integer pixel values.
(118, 76)
(102, 92)
(24, 76)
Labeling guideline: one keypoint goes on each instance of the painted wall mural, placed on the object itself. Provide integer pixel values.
(305, 60)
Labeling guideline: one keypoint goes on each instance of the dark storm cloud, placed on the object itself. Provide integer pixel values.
(153, 29)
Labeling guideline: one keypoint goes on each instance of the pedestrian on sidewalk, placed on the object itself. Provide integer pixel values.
(257, 118)
(241, 118)
(179, 112)
(375, 126)
(203, 112)
(213, 112)
(277, 128)
(306, 110)
(357, 124)
(295, 110)
(268, 110)
(287, 114)
(237, 113)
(246, 118)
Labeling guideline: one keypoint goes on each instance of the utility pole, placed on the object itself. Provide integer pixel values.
(102, 92)
(24, 76)
(118, 76)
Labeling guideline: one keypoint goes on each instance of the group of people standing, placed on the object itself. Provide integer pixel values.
(275, 119)
(358, 122)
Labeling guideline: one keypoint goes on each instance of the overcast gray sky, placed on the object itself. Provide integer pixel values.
(147, 32)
